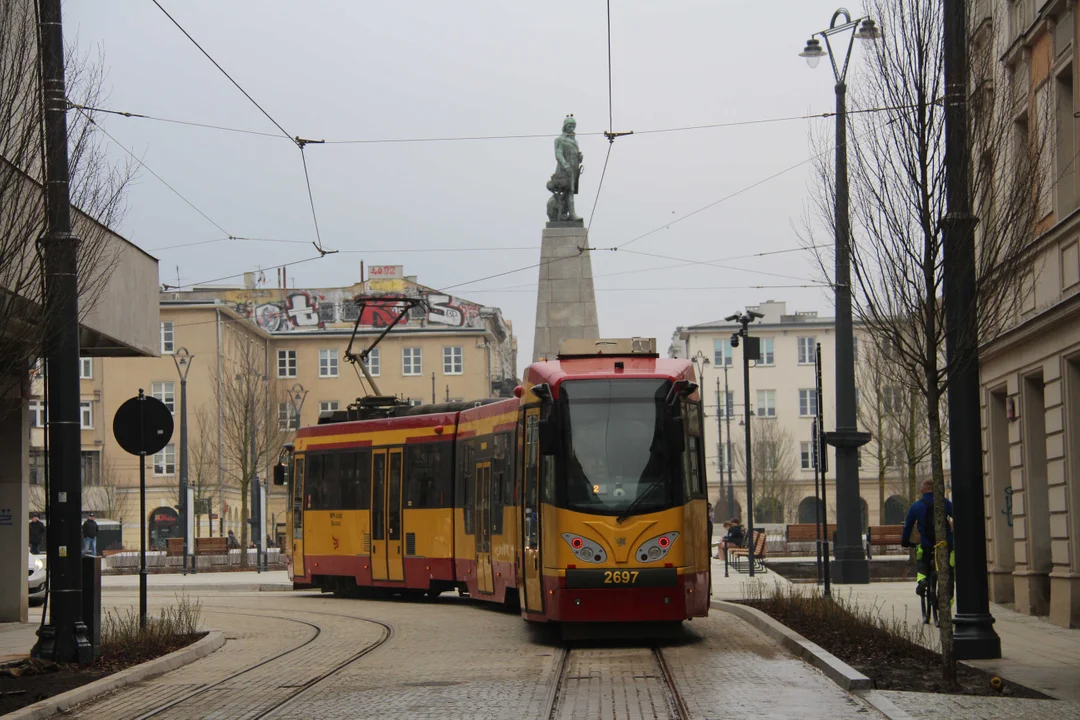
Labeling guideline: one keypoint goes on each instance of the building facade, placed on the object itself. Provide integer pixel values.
(294, 343)
(1031, 372)
(783, 403)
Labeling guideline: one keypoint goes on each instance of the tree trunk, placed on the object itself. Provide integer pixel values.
(243, 526)
(941, 551)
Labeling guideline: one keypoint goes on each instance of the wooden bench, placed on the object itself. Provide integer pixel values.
(887, 535)
(174, 547)
(807, 532)
(757, 557)
(211, 546)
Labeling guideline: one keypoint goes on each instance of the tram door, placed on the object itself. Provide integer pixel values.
(484, 579)
(386, 560)
(298, 519)
(530, 504)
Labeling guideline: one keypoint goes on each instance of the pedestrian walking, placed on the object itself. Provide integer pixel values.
(89, 533)
(37, 534)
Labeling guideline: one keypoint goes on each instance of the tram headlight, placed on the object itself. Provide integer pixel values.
(656, 548)
(585, 549)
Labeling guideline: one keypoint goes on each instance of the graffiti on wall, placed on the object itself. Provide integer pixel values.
(315, 310)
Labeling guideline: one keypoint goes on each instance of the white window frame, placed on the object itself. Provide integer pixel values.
(722, 348)
(807, 402)
(453, 360)
(766, 400)
(374, 362)
(162, 460)
(807, 347)
(168, 337)
(288, 366)
(165, 391)
(412, 361)
(86, 368)
(86, 415)
(768, 354)
(806, 455)
(328, 363)
(37, 413)
(726, 409)
(328, 406)
(287, 418)
(725, 458)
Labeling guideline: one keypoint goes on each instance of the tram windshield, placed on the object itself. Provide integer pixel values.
(617, 455)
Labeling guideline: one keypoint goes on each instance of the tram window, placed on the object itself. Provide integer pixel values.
(427, 479)
(331, 483)
(298, 500)
(394, 511)
(362, 491)
(470, 495)
(531, 501)
(378, 487)
(347, 479)
(313, 487)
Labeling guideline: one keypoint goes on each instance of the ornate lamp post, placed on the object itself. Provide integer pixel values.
(297, 395)
(183, 359)
(850, 565)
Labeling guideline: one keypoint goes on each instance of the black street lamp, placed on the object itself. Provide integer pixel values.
(297, 395)
(850, 565)
(701, 361)
(183, 359)
(751, 351)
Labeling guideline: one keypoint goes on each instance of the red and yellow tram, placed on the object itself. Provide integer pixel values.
(582, 499)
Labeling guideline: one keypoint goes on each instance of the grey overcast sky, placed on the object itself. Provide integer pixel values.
(353, 70)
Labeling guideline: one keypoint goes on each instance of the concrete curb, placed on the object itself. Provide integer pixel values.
(223, 587)
(165, 663)
(884, 705)
(836, 670)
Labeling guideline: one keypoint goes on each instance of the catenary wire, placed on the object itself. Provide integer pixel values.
(716, 260)
(715, 265)
(167, 287)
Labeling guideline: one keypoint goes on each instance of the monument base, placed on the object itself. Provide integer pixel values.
(566, 299)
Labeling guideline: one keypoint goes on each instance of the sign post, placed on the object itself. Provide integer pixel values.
(142, 426)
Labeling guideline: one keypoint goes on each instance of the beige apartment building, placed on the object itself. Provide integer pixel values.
(1031, 373)
(783, 402)
(294, 341)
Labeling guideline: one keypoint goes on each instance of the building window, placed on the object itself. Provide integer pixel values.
(411, 361)
(37, 467)
(891, 399)
(766, 352)
(725, 458)
(166, 338)
(766, 403)
(807, 349)
(86, 368)
(722, 353)
(806, 455)
(374, 364)
(37, 414)
(86, 415)
(328, 365)
(727, 405)
(855, 349)
(416, 403)
(287, 419)
(165, 392)
(808, 403)
(165, 461)
(328, 406)
(286, 363)
(452, 360)
(90, 461)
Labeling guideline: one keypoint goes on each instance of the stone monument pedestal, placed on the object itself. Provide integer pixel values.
(566, 298)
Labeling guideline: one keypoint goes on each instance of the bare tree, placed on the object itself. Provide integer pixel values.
(203, 465)
(251, 434)
(898, 204)
(97, 188)
(772, 450)
(110, 499)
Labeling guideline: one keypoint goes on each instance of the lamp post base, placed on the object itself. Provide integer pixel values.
(850, 571)
(974, 637)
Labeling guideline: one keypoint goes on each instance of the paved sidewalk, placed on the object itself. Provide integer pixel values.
(1034, 652)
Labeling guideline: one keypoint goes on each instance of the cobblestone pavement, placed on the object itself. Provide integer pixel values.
(926, 706)
(460, 659)
(613, 683)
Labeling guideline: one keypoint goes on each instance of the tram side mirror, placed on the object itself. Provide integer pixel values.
(279, 474)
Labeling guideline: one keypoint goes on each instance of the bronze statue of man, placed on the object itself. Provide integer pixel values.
(564, 181)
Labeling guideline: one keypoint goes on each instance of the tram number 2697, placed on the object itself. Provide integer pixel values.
(620, 577)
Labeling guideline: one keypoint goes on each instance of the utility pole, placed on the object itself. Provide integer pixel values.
(974, 637)
(64, 638)
(751, 351)
(727, 416)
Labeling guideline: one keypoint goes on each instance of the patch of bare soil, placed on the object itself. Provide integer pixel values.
(30, 680)
(892, 662)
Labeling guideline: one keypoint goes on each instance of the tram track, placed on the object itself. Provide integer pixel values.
(631, 677)
(205, 690)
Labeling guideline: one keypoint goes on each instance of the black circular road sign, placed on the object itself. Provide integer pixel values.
(143, 425)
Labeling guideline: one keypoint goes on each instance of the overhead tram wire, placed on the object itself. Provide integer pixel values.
(610, 134)
(168, 287)
(716, 265)
(299, 141)
(717, 260)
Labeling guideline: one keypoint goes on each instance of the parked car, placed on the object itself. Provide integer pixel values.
(36, 578)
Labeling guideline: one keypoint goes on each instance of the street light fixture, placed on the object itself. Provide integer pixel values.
(850, 565)
(701, 361)
(751, 351)
(297, 394)
(183, 359)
